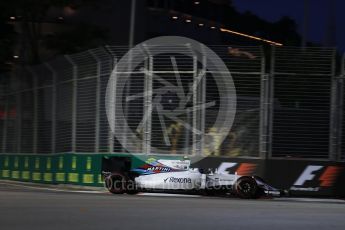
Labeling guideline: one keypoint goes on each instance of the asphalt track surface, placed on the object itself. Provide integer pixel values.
(23, 207)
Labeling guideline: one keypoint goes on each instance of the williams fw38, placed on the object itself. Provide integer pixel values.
(176, 176)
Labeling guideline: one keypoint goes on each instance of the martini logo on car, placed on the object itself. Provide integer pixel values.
(178, 180)
(158, 168)
(315, 176)
(154, 167)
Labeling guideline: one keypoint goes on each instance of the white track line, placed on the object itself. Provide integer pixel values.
(51, 189)
(294, 199)
(311, 200)
(95, 192)
(167, 195)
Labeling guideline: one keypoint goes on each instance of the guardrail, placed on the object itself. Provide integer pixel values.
(81, 169)
(64, 168)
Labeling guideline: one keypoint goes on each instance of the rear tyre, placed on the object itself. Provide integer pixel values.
(116, 183)
(246, 188)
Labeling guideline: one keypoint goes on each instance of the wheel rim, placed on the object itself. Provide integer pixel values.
(246, 188)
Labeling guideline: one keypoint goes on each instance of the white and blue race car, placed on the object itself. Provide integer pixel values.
(176, 176)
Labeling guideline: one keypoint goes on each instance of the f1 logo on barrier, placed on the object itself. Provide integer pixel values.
(326, 179)
(242, 169)
(308, 174)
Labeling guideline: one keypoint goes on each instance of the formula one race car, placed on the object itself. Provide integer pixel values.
(176, 176)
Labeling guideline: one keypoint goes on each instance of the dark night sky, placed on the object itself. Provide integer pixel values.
(273, 10)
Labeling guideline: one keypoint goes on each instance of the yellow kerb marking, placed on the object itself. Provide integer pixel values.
(88, 163)
(74, 163)
(60, 162)
(73, 177)
(88, 178)
(15, 174)
(49, 163)
(37, 163)
(48, 176)
(36, 176)
(26, 175)
(6, 162)
(5, 173)
(60, 177)
(16, 162)
(26, 162)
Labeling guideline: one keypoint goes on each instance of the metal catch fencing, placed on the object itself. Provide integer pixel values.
(302, 89)
(287, 106)
(340, 128)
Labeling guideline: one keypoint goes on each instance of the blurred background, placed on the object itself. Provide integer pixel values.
(36, 31)
(285, 57)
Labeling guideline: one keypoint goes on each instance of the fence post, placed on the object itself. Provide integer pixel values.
(341, 156)
(334, 128)
(264, 109)
(195, 102)
(143, 144)
(199, 98)
(339, 111)
(148, 93)
(18, 123)
(98, 96)
(35, 110)
(4, 129)
(270, 106)
(111, 103)
(112, 106)
(74, 102)
(53, 108)
(148, 106)
(203, 102)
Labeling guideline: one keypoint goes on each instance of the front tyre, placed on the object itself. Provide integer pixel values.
(246, 188)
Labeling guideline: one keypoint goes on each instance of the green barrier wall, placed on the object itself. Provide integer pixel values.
(65, 168)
